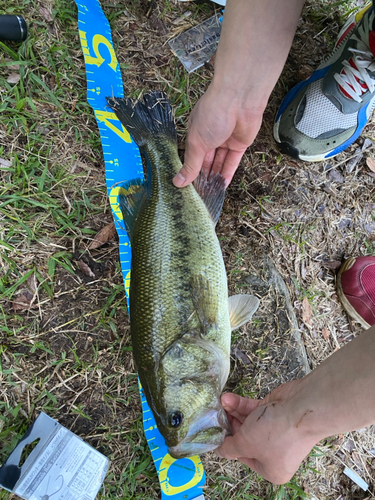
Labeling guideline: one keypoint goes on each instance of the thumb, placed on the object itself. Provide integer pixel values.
(233, 447)
(239, 407)
(194, 157)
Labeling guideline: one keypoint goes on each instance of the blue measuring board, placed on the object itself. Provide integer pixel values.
(181, 479)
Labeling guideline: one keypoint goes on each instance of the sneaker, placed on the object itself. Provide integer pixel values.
(356, 289)
(323, 115)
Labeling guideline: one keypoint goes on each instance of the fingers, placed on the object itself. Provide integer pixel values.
(194, 157)
(235, 424)
(232, 160)
(208, 161)
(233, 447)
(237, 406)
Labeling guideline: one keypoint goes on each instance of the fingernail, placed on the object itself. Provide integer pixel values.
(223, 403)
(179, 180)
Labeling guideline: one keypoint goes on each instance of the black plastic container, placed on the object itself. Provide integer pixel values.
(13, 28)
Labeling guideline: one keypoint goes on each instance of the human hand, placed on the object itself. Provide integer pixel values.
(266, 437)
(220, 130)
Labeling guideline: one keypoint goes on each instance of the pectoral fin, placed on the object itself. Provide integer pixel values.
(132, 197)
(241, 309)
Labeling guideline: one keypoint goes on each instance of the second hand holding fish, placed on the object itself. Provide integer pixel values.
(181, 318)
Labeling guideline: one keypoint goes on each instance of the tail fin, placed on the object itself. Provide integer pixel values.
(147, 118)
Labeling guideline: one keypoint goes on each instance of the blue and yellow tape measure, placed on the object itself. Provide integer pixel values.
(180, 479)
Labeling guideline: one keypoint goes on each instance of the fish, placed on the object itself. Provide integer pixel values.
(180, 315)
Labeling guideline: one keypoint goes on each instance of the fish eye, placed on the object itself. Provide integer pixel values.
(175, 419)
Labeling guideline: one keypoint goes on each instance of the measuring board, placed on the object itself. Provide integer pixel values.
(180, 479)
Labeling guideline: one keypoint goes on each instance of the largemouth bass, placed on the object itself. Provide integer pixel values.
(181, 319)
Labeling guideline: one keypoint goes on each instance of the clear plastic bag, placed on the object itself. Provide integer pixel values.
(197, 45)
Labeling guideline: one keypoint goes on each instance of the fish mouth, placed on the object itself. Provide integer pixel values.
(206, 433)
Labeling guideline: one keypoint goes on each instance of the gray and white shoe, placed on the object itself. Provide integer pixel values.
(323, 115)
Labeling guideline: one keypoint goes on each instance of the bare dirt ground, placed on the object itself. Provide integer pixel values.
(69, 354)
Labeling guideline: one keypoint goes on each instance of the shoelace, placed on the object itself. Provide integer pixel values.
(349, 79)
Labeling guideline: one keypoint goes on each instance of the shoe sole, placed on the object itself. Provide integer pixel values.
(290, 150)
(344, 301)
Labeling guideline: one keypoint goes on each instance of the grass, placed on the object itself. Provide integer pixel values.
(70, 354)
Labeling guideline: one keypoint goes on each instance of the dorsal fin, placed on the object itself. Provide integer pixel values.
(212, 191)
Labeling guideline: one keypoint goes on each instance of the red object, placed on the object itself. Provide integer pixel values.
(372, 41)
(356, 289)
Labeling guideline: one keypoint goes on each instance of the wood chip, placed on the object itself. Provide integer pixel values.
(367, 143)
(5, 163)
(306, 312)
(325, 333)
(107, 233)
(356, 478)
(14, 78)
(85, 268)
(184, 16)
(352, 163)
(370, 163)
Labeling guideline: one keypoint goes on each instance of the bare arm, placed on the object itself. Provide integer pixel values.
(273, 436)
(254, 44)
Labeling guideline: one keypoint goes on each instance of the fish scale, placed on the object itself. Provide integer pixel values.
(175, 238)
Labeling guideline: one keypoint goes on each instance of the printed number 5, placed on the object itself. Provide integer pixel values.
(98, 60)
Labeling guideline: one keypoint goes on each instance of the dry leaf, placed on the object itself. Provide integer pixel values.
(370, 163)
(5, 163)
(46, 14)
(306, 312)
(241, 356)
(14, 78)
(107, 233)
(85, 268)
(336, 176)
(23, 301)
(325, 333)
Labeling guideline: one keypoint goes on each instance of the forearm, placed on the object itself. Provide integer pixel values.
(339, 396)
(255, 41)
